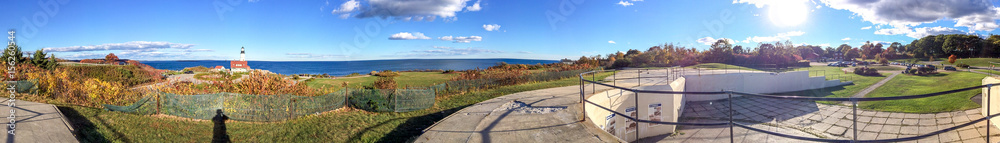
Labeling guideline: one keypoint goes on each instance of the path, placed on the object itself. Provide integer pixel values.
(37, 122)
(871, 88)
(494, 121)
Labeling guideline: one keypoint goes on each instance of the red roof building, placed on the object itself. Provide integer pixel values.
(239, 66)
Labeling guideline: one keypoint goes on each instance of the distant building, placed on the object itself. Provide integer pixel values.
(220, 68)
(241, 65)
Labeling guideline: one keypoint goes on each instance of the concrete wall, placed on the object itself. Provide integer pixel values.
(620, 101)
(992, 94)
(672, 105)
(753, 83)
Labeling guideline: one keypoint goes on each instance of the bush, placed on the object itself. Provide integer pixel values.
(353, 75)
(448, 71)
(962, 65)
(866, 71)
(387, 73)
(384, 83)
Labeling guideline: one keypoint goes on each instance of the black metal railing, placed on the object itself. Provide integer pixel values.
(673, 73)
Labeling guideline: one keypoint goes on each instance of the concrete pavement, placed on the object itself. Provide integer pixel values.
(37, 122)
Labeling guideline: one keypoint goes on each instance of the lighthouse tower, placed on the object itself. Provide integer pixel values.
(243, 54)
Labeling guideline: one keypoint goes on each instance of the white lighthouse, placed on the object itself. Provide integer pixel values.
(243, 54)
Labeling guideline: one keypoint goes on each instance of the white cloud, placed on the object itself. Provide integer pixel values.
(474, 7)
(979, 15)
(710, 40)
(775, 38)
(824, 45)
(127, 46)
(491, 27)
(449, 52)
(347, 7)
(918, 32)
(925, 31)
(461, 39)
(417, 10)
(523, 52)
(612, 42)
(845, 39)
(625, 3)
(866, 28)
(199, 50)
(408, 36)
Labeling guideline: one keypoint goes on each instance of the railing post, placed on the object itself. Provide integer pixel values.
(854, 105)
(731, 135)
(638, 79)
(583, 97)
(988, 111)
(636, 117)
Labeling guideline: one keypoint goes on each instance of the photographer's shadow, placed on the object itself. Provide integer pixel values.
(219, 134)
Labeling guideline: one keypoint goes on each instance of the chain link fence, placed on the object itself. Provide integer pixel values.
(266, 108)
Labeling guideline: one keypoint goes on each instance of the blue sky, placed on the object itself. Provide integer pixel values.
(339, 30)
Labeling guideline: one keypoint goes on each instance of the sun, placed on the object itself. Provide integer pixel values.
(788, 13)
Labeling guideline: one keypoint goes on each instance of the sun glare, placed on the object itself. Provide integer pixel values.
(788, 13)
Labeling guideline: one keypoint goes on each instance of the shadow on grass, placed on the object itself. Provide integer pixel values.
(219, 134)
(85, 130)
(412, 128)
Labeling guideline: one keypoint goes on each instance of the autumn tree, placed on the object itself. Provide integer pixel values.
(952, 58)
(111, 59)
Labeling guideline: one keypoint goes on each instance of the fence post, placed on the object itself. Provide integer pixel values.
(988, 111)
(582, 97)
(636, 117)
(854, 105)
(158, 102)
(731, 135)
(291, 110)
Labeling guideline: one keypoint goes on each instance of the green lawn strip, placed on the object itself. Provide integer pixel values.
(886, 68)
(339, 126)
(831, 73)
(979, 62)
(411, 79)
(990, 71)
(903, 85)
(720, 66)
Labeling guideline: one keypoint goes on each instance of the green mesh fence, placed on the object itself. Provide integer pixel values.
(245, 107)
(23, 86)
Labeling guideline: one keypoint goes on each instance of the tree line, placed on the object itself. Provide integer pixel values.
(786, 53)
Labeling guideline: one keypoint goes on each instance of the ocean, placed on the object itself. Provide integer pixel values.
(340, 68)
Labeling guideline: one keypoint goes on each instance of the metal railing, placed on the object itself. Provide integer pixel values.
(674, 74)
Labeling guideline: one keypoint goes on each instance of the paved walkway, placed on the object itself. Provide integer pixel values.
(37, 122)
(546, 115)
(872, 87)
(553, 115)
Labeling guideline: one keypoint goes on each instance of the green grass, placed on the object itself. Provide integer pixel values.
(912, 85)
(978, 62)
(831, 73)
(97, 125)
(921, 60)
(720, 66)
(412, 79)
(886, 68)
(990, 71)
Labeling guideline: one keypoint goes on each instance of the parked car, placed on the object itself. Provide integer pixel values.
(950, 68)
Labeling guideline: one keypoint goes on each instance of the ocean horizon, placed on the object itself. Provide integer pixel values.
(340, 68)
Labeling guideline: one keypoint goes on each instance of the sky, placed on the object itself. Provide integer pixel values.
(345, 30)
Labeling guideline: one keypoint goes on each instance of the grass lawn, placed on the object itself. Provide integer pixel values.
(719, 66)
(979, 62)
(990, 71)
(831, 73)
(886, 68)
(913, 85)
(413, 79)
(97, 125)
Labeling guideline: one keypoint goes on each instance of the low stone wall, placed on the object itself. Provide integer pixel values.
(754, 83)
